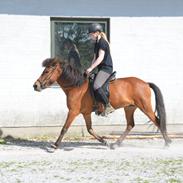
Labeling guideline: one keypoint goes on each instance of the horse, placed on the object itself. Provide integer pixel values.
(129, 93)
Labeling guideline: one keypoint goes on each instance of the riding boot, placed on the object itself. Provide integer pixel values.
(109, 109)
(104, 99)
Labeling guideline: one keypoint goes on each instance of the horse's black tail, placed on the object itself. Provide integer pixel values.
(160, 107)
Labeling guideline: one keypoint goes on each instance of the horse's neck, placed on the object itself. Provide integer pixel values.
(67, 90)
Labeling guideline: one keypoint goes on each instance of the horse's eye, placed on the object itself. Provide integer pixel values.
(45, 72)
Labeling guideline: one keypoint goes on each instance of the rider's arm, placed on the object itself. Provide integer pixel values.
(94, 58)
(96, 62)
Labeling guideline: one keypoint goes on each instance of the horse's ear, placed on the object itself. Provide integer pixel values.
(46, 62)
(60, 60)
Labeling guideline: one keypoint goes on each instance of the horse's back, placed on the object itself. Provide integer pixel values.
(129, 89)
(129, 82)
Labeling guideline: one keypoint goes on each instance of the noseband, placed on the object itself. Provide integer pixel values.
(47, 78)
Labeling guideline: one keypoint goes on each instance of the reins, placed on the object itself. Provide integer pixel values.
(49, 76)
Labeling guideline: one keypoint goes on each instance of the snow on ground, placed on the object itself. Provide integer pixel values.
(87, 161)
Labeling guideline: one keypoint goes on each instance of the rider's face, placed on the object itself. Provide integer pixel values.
(93, 36)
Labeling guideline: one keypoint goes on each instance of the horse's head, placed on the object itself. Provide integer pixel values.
(50, 74)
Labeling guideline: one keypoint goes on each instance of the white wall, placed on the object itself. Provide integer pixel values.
(24, 43)
(149, 48)
(144, 43)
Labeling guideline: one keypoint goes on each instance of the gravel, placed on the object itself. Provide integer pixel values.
(87, 161)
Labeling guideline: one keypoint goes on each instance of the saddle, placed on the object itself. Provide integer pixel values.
(98, 107)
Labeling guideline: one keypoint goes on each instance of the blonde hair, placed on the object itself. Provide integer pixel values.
(75, 48)
(103, 35)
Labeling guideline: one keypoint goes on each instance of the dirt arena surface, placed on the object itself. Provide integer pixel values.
(88, 161)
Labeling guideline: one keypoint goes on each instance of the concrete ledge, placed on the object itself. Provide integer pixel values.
(81, 131)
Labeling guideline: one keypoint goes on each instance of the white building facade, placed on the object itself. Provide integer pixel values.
(146, 41)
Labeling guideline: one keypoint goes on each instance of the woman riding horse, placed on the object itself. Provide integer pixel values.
(129, 93)
(103, 62)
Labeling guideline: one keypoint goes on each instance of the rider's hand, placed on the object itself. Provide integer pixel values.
(88, 70)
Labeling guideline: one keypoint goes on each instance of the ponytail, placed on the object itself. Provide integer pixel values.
(103, 35)
(76, 49)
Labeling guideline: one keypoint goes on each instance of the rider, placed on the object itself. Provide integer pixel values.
(102, 60)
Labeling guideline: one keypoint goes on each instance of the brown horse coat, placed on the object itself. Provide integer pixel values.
(128, 93)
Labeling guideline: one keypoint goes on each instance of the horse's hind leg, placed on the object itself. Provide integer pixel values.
(129, 113)
(88, 121)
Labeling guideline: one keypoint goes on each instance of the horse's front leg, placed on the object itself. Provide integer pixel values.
(88, 122)
(70, 117)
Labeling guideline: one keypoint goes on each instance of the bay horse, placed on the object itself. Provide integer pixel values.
(129, 93)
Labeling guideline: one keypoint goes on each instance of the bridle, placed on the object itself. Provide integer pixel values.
(42, 83)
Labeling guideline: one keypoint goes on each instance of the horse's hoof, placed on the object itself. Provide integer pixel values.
(107, 144)
(113, 146)
(169, 141)
(54, 146)
(51, 149)
(167, 144)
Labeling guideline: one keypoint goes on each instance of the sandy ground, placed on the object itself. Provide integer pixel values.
(87, 161)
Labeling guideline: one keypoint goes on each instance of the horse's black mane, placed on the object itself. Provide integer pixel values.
(71, 76)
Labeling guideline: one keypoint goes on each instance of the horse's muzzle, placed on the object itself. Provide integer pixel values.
(37, 86)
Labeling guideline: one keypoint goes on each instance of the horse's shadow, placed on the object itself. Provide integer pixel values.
(69, 145)
(46, 145)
